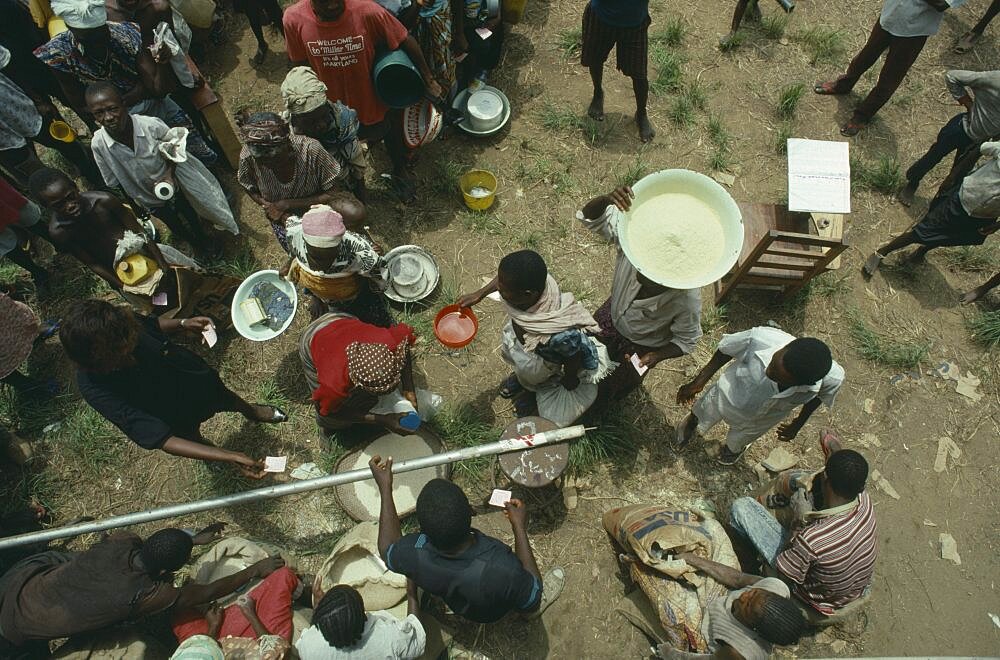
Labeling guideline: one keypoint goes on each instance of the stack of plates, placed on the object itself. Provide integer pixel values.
(413, 273)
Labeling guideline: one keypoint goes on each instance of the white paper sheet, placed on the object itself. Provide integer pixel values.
(819, 176)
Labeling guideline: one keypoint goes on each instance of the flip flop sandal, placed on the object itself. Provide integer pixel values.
(510, 387)
(852, 128)
(965, 43)
(278, 416)
(552, 585)
(872, 264)
(827, 88)
(727, 458)
(825, 436)
(679, 442)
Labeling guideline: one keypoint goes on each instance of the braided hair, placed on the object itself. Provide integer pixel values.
(340, 616)
(781, 622)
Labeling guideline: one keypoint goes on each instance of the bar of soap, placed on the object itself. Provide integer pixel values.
(253, 311)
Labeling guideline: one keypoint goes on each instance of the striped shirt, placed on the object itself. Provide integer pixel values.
(832, 560)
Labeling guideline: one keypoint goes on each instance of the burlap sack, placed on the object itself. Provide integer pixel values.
(355, 561)
(774, 495)
(653, 534)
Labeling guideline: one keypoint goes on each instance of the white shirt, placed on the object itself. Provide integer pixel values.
(135, 171)
(980, 191)
(912, 18)
(385, 638)
(672, 317)
(983, 121)
(747, 397)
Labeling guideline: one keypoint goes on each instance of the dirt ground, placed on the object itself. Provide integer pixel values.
(549, 161)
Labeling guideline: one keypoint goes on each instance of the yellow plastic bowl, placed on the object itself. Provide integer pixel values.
(478, 179)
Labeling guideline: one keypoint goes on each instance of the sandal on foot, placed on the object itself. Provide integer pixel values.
(681, 440)
(852, 128)
(872, 264)
(510, 387)
(552, 585)
(726, 457)
(826, 436)
(278, 416)
(966, 42)
(827, 88)
(259, 57)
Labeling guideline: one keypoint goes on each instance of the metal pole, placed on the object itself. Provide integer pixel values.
(174, 510)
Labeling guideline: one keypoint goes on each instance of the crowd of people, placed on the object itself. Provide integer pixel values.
(126, 70)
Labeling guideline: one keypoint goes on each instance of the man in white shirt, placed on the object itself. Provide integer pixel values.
(772, 374)
(979, 93)
(963, 215)
(641, 319)
(902, 30)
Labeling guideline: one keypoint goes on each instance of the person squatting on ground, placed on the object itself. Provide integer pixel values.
(772, 374)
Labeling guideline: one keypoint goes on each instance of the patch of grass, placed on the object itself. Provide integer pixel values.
(530, 240)
(973, 257)
(462, 426)
(781, 137)
(420, 318)
(713, 318)
(718, 133)
(773, 25)
(11, 272)
(240, 265)
(569, 42)
(271, 394)
(829, 285)
(696, 95)
(681, 112)
(788, 100)
(446, 177)
(482, 221)
(333, 451)
(732, 44)
(672, 33)
(823, 44)
(90, 439)
(560, 118)
(669, 74)
(632, 173)
(613, 437)
(887, 351)
(720, 159)
(884, 175)
(985, 327)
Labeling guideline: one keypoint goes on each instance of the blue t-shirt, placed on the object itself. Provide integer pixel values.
(621, 13)
(482, 584)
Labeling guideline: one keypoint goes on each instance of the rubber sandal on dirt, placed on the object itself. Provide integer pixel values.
(827, 88)
(726, 457)
(510, 387)
(552, 585)
(852, 128)
(871, 265)
(679, 442)
(966, 42)
(826, 436)
(278, 416)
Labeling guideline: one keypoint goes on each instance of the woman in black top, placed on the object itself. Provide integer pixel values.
(157, 393)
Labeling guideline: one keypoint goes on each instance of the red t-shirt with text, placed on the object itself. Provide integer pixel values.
(342, 52)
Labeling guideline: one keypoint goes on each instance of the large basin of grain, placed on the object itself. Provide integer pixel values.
(683, 231)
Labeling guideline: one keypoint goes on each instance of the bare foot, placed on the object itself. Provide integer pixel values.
(872, 264)
(972, 296)
(906, 194)
(966, 42)
(596, 109)
(646, 130)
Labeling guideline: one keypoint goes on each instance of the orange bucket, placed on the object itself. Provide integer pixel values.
(455, 326)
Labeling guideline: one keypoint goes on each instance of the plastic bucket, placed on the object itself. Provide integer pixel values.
(478, 179)
(455, 326)
(397, 80)
(60, 130)
(513, 10)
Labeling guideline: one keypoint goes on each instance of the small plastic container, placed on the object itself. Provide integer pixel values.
(455, 326)
(410, 421)
(478, 179)
(60, 130)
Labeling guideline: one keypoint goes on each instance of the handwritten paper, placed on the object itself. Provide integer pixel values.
(500, 497)
(819, 176)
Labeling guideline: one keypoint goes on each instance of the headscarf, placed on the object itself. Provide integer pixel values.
(269, 131)
(322, 227)
(554, 312)
(376, 368)
(302, 91)
(81, 13)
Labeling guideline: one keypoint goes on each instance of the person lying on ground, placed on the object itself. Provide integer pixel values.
(335, 125)
(623, 25)
(156, 392)
(744, 623)
(641, 318)
(368, 29)
(901, 31)
(477, 576)
(980, 291)
(979, 93)
(964, 215)
(340, 268)
(750, 11)
(94, 50)
(969, 39)
(547, 340)
(359, 373)
(827, 554)
(288, 174)
(61, 594)
(773, 374)
(128, 149)
(342, 630)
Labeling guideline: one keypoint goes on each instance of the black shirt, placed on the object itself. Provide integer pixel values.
(168, 391)
(482, 584)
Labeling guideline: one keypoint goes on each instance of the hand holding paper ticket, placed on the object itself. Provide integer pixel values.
(275, 463)
(500, 498)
